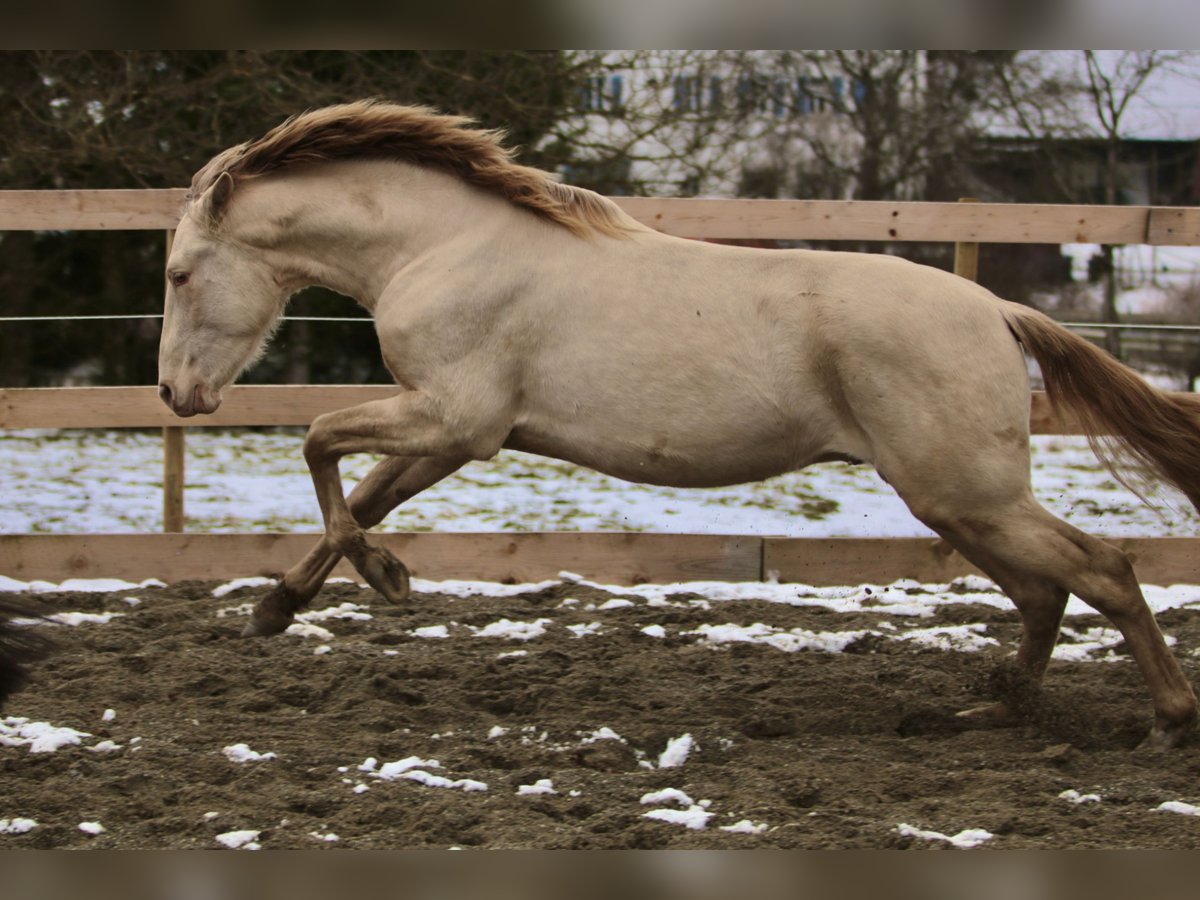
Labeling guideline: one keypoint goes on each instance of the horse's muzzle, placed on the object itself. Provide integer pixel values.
(189, 404)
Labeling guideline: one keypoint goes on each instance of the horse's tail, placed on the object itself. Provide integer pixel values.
(19, 646)
(1124, 418)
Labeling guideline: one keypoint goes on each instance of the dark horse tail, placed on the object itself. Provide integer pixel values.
(1125, 419)
(20, 645)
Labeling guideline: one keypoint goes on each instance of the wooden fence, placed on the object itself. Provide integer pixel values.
(617, 558)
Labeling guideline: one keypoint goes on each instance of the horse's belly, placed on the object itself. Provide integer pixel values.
(660, 460)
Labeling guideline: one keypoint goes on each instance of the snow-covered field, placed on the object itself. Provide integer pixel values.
(109, 482)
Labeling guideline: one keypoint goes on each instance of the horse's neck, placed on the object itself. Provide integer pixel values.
(353, 227)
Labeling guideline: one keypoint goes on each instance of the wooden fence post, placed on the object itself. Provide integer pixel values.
(966, 253)
(173, 450)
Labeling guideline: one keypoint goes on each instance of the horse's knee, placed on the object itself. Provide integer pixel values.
(316, 443)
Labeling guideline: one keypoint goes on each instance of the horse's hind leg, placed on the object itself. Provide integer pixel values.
(1042, 559)
(391, 482)
(1041, 604)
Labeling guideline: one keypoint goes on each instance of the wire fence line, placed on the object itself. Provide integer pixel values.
(1121, 326)
(160, 315)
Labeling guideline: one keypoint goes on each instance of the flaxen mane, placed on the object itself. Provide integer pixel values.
(414, 134)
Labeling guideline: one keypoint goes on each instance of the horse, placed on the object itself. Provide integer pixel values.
(514, 311)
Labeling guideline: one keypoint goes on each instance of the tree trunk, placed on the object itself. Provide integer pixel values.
(299, 368)
(1108, 309)
(16, 299)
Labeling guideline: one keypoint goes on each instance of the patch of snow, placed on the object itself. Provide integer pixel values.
(238, 583)
(395, 769)
(76, 585)
(513, 631)
(964, 840)
(328, 838)
(439, 781)
(788, 641)
(694, 817)
(1083, 645)
(1073, 796)
(745, 826)
(246, 839)
(92, 828)
(74, 619)
(602, 734)
(654, 631)
(431, 631)
(347, 610)
(1178, 806)
(585, 630)
(464, 589)
(541, 786)
(108, 715)
(496, 731)
(241, 753)
(962, 638)
(667, 795)
(304, 629)
(615, 603)
(17, 825)
(40, 737)
(677, 751)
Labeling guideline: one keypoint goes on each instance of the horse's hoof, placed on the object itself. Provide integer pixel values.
(386, 574)
(993, 715)
(265, 626)
(1166, 737)
(273, 613)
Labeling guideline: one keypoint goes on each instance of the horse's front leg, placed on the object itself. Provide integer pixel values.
(409, 424)
(391, 482)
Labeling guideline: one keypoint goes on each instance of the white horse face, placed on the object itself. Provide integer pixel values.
(222, 303)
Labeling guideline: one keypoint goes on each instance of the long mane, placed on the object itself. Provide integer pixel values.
(418, 135)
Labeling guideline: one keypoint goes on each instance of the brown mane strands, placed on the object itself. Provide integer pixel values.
(421, 136)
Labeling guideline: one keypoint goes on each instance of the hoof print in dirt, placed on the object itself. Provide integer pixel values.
(607, 756)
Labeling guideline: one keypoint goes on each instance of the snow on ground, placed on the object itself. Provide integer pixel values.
(1154, 270)
(964, 840)
(1178, 806)
(109, 482)
(903, 598)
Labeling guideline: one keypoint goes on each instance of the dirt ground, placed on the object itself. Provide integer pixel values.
(827, 750)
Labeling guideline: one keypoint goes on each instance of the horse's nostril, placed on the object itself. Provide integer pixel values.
(164, 393)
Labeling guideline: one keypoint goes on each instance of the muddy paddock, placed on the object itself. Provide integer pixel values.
(569, 717)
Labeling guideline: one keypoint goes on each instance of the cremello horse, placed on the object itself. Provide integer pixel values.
(517, 312)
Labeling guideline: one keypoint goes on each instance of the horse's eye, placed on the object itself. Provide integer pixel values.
(179, 279)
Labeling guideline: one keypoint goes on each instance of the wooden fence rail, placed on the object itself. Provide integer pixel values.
(833, 220)
(619, 558)
(254, 404)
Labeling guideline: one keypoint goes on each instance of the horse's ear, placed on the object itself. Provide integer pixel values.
(218, 197)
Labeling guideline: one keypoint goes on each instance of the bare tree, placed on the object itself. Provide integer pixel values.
(1071, 98)
(1114, 80)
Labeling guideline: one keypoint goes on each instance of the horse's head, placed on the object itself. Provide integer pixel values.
(222, 301)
